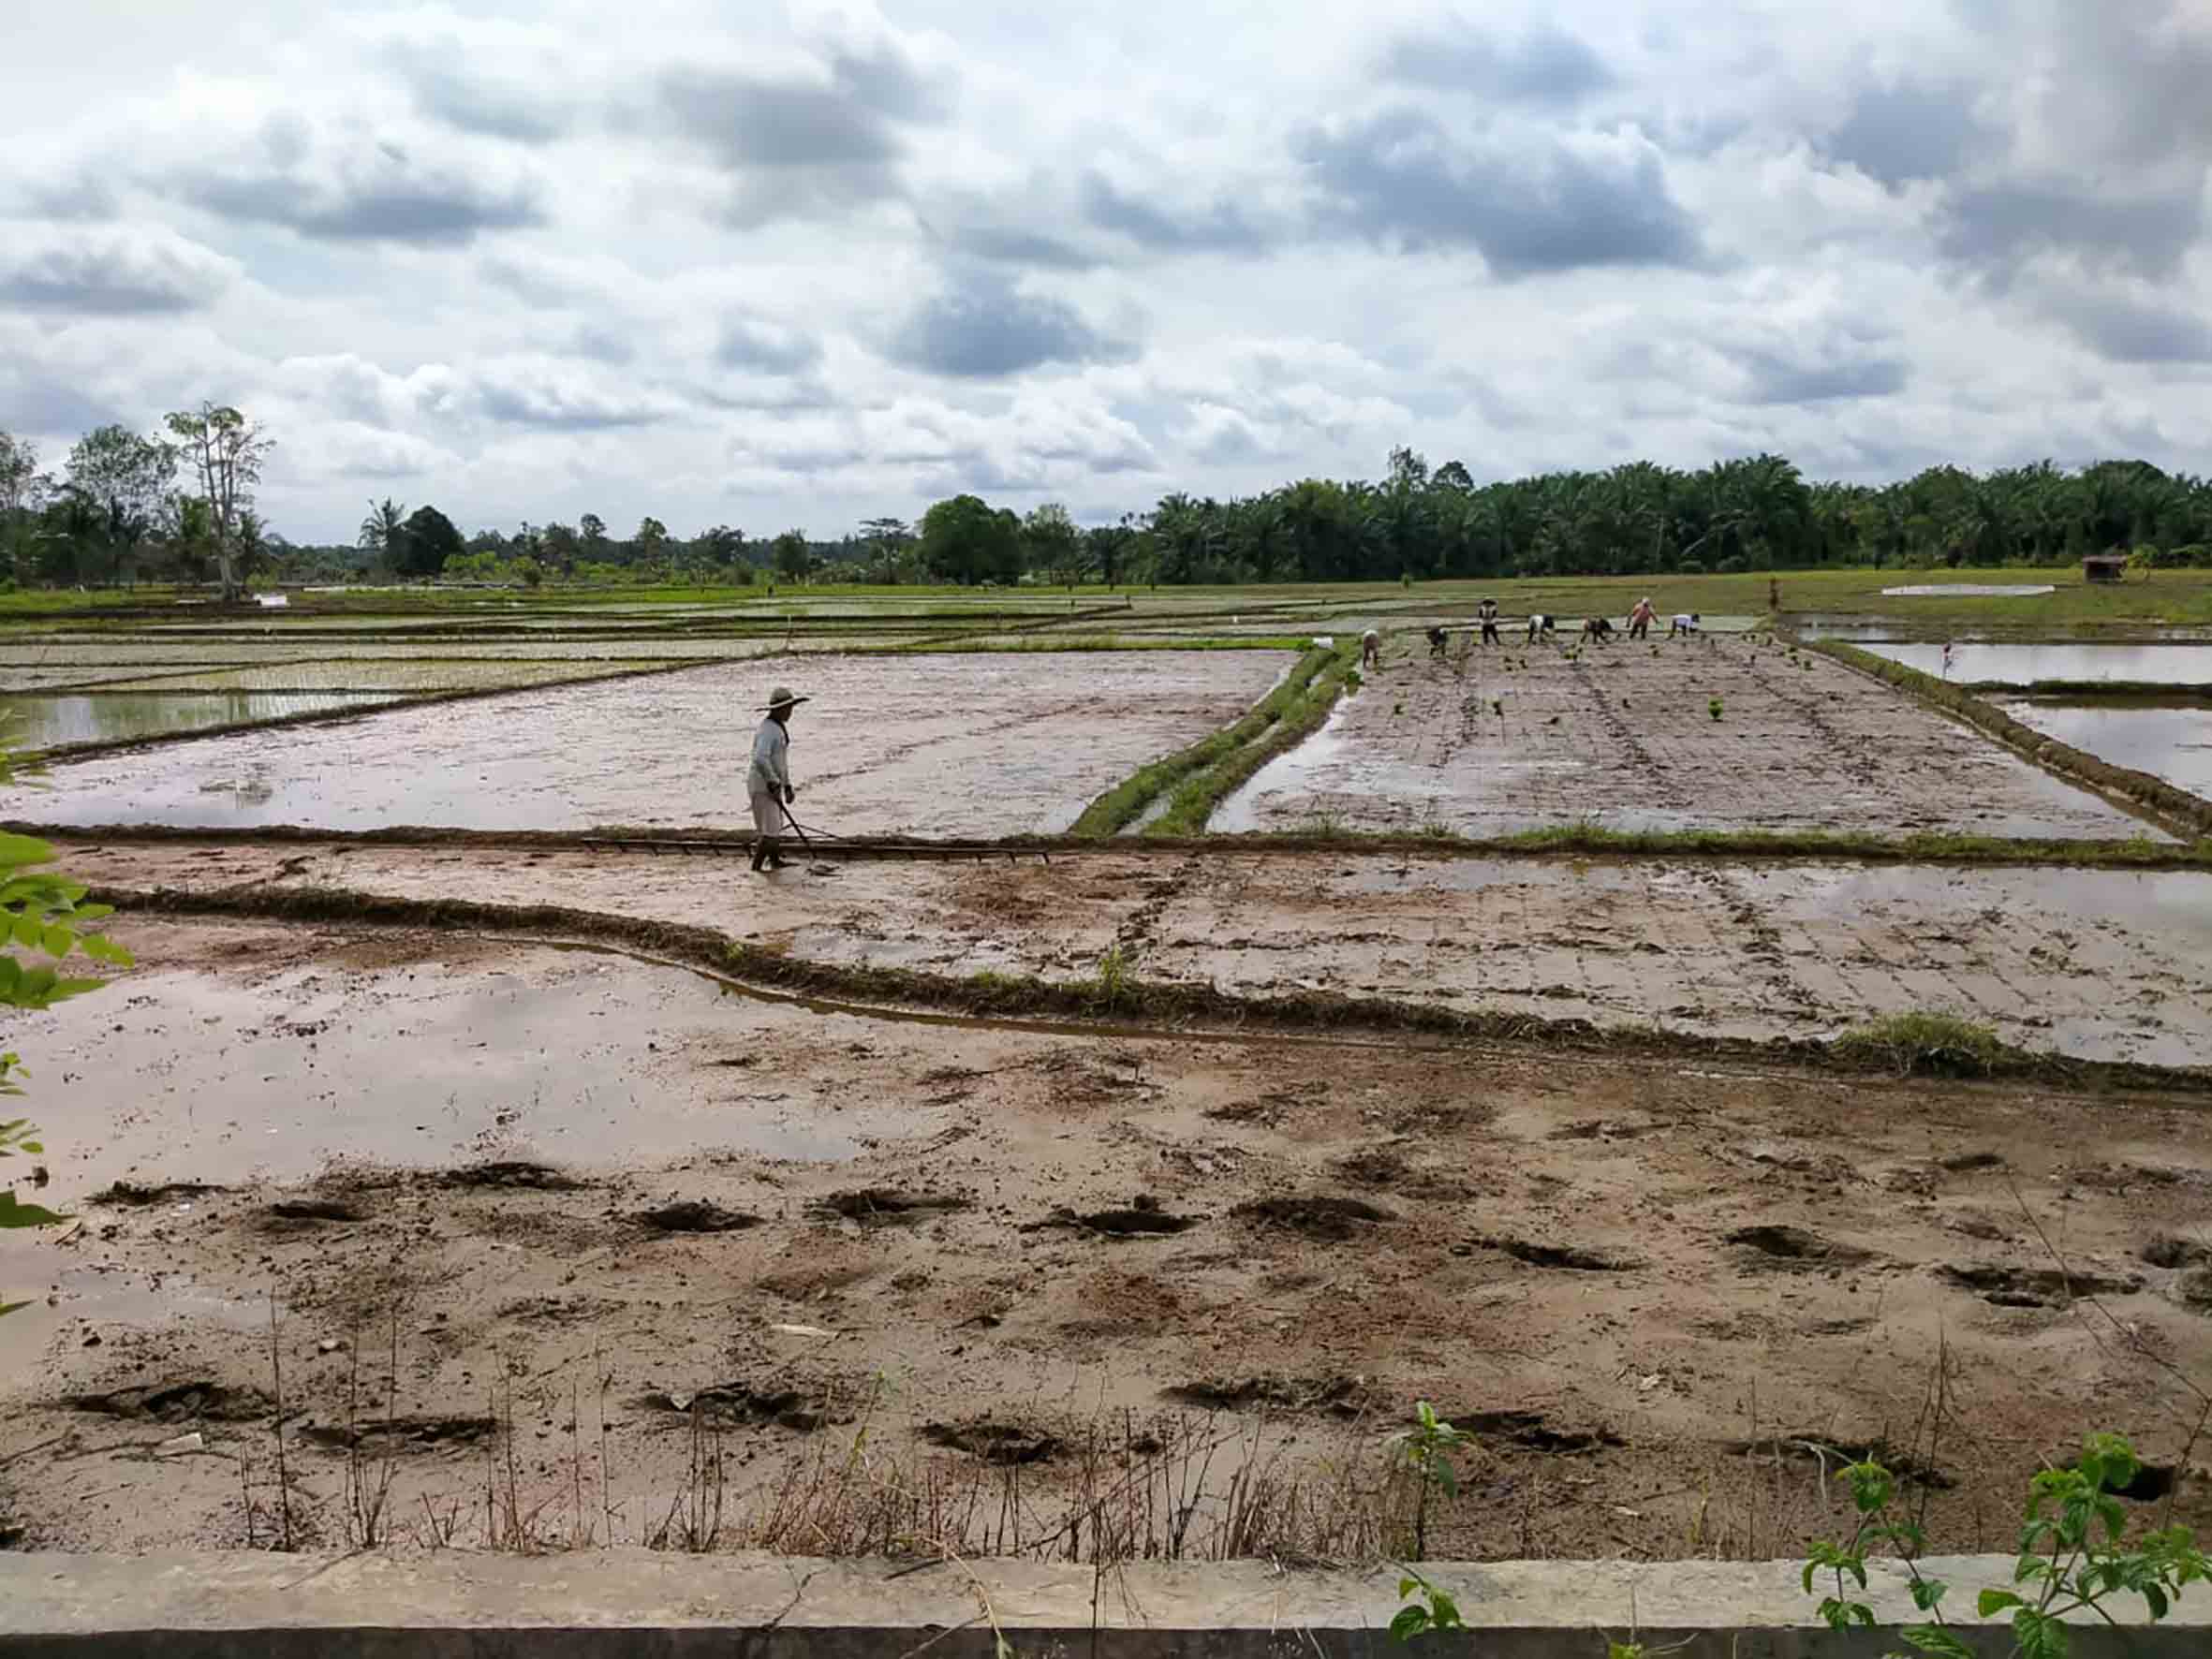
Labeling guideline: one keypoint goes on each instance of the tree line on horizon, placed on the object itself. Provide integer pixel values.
(179, 507)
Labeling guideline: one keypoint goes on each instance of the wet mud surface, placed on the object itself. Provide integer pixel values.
(930, 746)
(1625, 737)
(2096, 965)
(1621, 1275)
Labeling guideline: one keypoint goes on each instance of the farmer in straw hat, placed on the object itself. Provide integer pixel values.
(767, 780)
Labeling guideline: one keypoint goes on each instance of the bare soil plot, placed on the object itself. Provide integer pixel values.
(1625, 735)
(2097, 964)
(943, 745)
(1623, 1277)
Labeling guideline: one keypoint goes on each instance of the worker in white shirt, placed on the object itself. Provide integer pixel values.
(767, 780)
(1683, 623)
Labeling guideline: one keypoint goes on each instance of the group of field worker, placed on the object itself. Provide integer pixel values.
(1543, 625)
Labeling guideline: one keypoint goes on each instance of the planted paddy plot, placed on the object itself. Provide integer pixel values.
(1699, 734)
(1217, 1262)
(980, 745)
(2094, 964)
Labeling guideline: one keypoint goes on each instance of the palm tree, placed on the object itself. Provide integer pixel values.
(386, 524)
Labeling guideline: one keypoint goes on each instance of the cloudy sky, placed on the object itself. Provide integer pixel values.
(777, 262)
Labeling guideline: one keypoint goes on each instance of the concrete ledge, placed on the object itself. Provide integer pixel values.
(616, 1603)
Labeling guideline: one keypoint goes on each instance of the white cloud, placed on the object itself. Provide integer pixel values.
(808, 262)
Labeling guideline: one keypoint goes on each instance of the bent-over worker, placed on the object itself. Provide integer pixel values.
(1370, 650)
(1684, 623)
(767, 780)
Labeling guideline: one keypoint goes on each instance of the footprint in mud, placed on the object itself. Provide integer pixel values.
(1790, 1248)
(129, 1195)
(176, 1402)
(2035, 1287)
(879, 1206)
(696, 1215)
(2167, 1251)
(1387, 1169)
(1318, 1216)
(1563, 1255)
(993, 1441)
(510, 1173)
(734, 1403)
(300, 1215)
(400, 1434)
(1823, 1447)
(1531, 1431)
(1144, 1218)
(1341, 1396)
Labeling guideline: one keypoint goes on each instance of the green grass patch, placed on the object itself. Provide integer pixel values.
(1123, 804)
(1195, 799)
(1941, 1045)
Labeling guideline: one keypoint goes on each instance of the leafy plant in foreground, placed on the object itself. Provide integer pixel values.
(1427, 1608)
(2063, 1567)
(1426, 1450)
(42, 912)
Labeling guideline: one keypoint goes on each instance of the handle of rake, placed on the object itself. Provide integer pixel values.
(795, 824)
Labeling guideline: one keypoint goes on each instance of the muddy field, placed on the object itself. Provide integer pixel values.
(1625, 735)
(937, 745)
(1006, 1251)
(2096, 965)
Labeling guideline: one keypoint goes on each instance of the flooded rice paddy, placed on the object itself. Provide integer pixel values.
(2172, 743)
(2026, 664)
(930, 745)
(120, 716)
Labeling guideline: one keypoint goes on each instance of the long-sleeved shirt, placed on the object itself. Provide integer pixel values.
(771, 770)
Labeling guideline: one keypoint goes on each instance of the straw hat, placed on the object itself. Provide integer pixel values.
(781, 697)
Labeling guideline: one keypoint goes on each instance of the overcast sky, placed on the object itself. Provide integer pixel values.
(524, 260)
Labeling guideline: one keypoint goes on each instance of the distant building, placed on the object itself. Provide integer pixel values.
(2104, 567)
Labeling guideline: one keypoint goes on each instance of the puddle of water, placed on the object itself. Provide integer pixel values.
(42, 722)
(58, 1289)
(2022, 665)
(1976, 590)
(2174, 744)
(561, 1056)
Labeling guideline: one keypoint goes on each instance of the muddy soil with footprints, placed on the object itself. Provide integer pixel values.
(1645, 1286)
(535, 1242)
